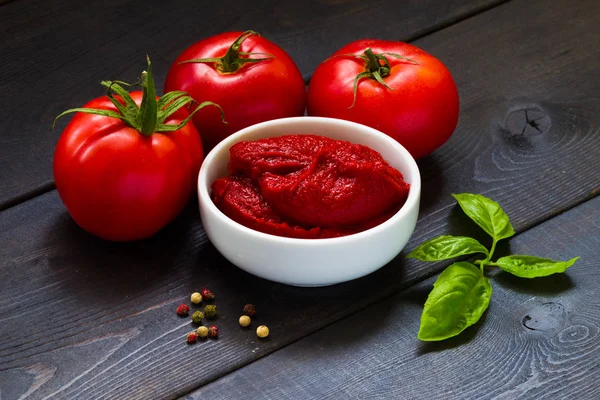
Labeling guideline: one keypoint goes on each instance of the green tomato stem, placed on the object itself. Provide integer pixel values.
(373, 64)
(228, 63)
(231, 62)
(150, 116)
(373, 70)
(149, 106)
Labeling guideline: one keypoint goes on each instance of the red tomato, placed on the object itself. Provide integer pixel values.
(419, 108)
(248, 92)
(119, 184)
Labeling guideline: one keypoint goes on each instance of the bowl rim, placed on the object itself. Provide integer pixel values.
(411, 202)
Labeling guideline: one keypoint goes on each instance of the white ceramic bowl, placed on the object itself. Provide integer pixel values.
(310, 262)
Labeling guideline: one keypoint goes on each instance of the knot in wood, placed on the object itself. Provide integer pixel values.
(526, 120)
(545, 317)
(574, 334)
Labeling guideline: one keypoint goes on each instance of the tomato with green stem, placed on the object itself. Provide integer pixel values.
(127, 163)
(391, 86)
(250, 77)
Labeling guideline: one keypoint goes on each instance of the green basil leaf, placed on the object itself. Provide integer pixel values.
(445, 247)
(459, 297)
(531, 266)
(487, 214)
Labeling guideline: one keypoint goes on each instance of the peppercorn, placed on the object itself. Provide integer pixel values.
(210, 311)
(202, 331)
(207, 294)
(213, 331)
(196, 298)
(197, 317)
(262, 331)
(192, 337)
(245, 321)
(183, 310)
(249, 310)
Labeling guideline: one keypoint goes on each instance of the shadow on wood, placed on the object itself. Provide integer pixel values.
(461, 339)
(548, 285)
(97, 267)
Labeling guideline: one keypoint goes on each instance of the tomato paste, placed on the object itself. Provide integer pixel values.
(308, 186)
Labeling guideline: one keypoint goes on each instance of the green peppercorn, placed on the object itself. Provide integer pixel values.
(197, 317)
(210, 311)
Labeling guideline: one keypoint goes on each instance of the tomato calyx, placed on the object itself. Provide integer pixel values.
(150, 116)
(377, 67)
(233, 59)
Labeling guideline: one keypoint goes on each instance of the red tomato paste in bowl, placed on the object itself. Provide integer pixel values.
(308, 186)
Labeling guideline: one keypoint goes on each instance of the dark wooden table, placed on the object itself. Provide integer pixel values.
(88, 319)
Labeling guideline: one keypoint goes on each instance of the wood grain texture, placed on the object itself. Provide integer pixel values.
(82, 318)
(85, 318)
(54, 55)
(539, 339)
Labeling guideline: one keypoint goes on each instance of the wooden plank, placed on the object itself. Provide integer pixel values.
(539, 339)
(54, 55)
(106, 310)
(85, 318)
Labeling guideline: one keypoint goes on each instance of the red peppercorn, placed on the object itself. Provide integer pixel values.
(207, 294)
(213, 331)
(249, 310)
(183, 310)
(192, 337)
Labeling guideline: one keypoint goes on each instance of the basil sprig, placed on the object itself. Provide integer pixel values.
(462, 293)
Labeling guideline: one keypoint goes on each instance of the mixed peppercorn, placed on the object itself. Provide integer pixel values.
(183, 310)
(249, 310)
(197, 317)
(196, 298)
(210, 312)
(202, 331)
(245, 321)
(262, 331)
(207, 294)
